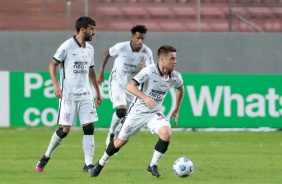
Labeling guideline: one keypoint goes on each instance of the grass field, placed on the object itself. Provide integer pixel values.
(218, 157)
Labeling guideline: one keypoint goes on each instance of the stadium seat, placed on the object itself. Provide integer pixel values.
(160, 12)
(110, 15)
(134, 11)
(184, 11)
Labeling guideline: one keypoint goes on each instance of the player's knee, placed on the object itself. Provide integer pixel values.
(162, 146)
(165, 133)
(61, 133)
(111, 149)
(88, 129)
(121, 113)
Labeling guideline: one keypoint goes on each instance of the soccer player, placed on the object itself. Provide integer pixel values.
(75, 58)
(155, 81)
(130, 57)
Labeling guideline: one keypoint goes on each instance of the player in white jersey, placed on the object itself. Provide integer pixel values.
(76, 60)
(155, 81)
(130, 58)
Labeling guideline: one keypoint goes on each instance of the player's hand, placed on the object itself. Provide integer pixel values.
(100, 78)
(150, 102)
(98, 101)
(175, 116)
(142, 64)
(58, 91)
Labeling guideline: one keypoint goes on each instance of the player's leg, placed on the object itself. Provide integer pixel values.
(65, 119)
(112, 149)
(88, 145)
(88, 115)
(129, 99)
(56, 139)
(116, 118)
(118, 98)
(115, 145)
(163, 130)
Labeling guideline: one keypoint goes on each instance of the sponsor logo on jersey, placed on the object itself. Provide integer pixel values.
(79, 67)
(129, 65)
(129, 68)
(158, 92)
(141, 77)
(80, 94)
(145, 112)
(157, 95)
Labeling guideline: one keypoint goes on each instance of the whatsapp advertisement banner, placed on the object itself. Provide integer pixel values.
(210, 100)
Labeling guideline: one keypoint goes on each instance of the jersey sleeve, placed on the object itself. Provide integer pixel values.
(61, 53)
(114, 50)
(92, 58)
(179, 81)
(142, 76)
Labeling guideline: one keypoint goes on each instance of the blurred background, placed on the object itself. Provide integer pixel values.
(158, 15)
(212, 36)
(221, 44)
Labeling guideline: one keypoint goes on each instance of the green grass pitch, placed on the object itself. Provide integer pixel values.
(218, 157)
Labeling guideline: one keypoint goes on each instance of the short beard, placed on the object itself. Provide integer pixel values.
(88, 39)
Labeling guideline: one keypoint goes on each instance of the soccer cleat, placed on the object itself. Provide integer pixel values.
(97, 169)
(41, 164)
(154, 170)
(109, 139)
(87, 168)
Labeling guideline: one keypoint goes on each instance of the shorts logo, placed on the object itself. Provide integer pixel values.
(128, 129)
(66, 117)
(117, 98)
(93, 113)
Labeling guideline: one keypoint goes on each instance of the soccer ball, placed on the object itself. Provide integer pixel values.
(183, 167)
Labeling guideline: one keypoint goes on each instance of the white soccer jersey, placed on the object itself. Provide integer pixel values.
(127, 63)
(154, 85)
(74, 69)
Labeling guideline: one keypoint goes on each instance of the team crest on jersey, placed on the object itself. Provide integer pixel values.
(137, 57)
(128, 129)
(89, 55)
(67, 117)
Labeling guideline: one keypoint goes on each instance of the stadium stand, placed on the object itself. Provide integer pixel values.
(158, 15)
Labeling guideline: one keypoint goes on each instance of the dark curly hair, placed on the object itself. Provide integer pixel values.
(139, 28)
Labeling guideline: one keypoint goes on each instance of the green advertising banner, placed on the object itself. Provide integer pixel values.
(210, 101)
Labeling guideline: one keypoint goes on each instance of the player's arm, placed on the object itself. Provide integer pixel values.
(179, 98)
(53, 74)
(132, 88)
(105, 58)
(93, 79)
